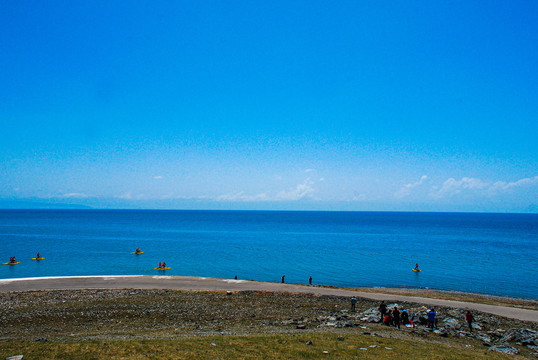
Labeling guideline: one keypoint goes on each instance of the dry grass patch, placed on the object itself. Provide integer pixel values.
(279, 346)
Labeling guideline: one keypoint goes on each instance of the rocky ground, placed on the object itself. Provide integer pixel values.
(81, 315)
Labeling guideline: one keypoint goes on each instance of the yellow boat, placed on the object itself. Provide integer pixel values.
(137, 252)
(39, 258)
(162, 268)
(417, 270)
(11, 263)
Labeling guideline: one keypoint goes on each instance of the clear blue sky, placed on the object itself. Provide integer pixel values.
(353, 105)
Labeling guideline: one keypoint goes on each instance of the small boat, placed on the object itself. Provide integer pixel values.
(137, 252)
(162, 268)
(417, 270)
(11, 263)
(39, 258)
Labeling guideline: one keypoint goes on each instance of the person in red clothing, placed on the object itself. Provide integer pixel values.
(160, 264)
(38, 256)
(469, 317)
(164, 264)
(416, 266)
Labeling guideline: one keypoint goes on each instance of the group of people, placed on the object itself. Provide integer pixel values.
(13, 260)
(162, 265)
(282, 279)
(394, 317)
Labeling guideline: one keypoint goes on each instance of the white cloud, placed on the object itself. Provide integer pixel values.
(240, 196)
(452, 187)
(299, 192)
(309, 170)
(129, 196)
(75, 196)
(406, 189)
(502, 185)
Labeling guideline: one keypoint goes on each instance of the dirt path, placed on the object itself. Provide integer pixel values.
(196, 283)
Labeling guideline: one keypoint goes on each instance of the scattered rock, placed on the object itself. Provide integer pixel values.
(309, 342)
(441, 332)
(482, 337)
(363, 348)
(476, 326)
(451, 325)
(212, 344)
(373, 315)
(498, 333)
(504, 348)
(325, 352)
(301, 326)
(520, 335)
(15, 357)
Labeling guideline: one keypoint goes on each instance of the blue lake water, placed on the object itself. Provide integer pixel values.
(483, 253)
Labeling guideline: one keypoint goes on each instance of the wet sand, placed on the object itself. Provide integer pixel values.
(212, 284)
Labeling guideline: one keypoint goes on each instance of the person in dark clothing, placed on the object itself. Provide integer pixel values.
(310, 280)
(396, 317)
(469, 317)
(282, 279)
(353, 303)
(382, 310)
(404, 317)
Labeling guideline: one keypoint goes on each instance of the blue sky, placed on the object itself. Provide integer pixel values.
(359, 105)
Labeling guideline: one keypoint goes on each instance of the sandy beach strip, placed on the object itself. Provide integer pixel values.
(213, 284)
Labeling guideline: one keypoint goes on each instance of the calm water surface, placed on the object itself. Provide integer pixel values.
(485, 253)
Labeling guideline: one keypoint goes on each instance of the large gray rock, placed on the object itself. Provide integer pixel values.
(504, 348)
(373, 315)
(497, 333)
(483, 337)
(528, 336)
(451, 325)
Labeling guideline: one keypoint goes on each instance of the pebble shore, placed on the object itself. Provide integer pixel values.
(60, 315)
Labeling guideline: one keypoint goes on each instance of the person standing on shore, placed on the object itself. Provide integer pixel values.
(382, 310)
(431, 319)
(353, 303)
(469, 317)
(282, 279)
(310, 280)
(396, 317)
